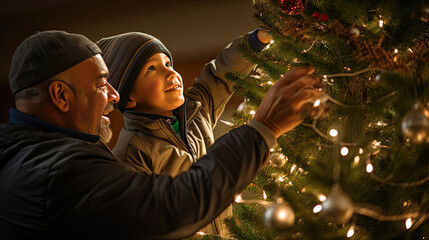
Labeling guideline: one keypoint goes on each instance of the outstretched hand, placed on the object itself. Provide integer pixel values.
(281, 109)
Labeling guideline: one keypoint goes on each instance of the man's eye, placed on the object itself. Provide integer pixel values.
(168, 64)
(151, 68)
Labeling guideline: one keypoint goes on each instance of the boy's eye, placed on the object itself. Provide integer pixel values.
(168, 64)
(151, 68)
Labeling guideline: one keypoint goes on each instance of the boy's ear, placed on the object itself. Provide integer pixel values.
(60, 95)
(131, 103)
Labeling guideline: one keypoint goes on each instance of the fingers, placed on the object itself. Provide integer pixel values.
(304, 96)
(295, 74)
(309, 81)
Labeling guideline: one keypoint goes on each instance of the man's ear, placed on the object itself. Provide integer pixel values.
(131, 103)
(60, 95)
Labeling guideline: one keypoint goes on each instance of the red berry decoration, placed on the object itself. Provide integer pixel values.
(324, 17)
(316, 15)
(292, 7)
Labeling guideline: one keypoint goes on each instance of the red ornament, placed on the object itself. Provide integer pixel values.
(292, 7)
(324, 17)
(316, 15)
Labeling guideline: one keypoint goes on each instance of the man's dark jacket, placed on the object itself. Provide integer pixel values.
(60, 184)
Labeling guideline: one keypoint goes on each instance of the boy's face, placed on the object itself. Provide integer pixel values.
(158, 88)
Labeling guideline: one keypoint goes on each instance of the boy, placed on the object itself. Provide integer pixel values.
(166, 131)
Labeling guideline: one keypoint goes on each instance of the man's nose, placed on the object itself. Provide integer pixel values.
(112, 94)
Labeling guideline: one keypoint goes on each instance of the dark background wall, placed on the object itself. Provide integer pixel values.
(193, 30)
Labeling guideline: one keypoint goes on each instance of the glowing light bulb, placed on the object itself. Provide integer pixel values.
(369, 168)
(264, 195)
(325, 77)
(396, 50)
(281, 179)
(356, 160)
(360, 150)
(351, 231)
(316, 103)
(408, 223)
(333, 132)
(292, 168)
(200, 233)
(321, 197)
(252, 112)
(239, 198)
(380, 23)
(317, 208)
(344, 151)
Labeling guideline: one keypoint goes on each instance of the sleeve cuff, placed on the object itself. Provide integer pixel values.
(266, 133)
(255, 43)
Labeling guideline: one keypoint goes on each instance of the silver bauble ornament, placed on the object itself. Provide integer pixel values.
(246, 107)
(338, 206)
(279, 216)
(415, 125)
(278, 160)
(424, 14)
(355, 32)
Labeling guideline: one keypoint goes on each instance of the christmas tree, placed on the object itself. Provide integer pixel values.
(357, 167)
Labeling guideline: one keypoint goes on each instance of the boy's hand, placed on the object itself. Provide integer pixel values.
(263, 36)
(282, 106)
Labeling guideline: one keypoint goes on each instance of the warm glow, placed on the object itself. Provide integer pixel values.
(321, 197)
(344, 151)
(281, 179)
(333, 132)
(356, 160)
(282, 215)
(380, 23)
(292, 168)
(317, 208)
(264, 195)
(252, 112)
(351, 231)
(360, 150)
(238, 198)
(396, 50)
(408, 223)
(200, 233)
(369, 168)
(316, 103)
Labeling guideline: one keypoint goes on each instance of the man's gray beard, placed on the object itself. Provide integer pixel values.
(104, 131)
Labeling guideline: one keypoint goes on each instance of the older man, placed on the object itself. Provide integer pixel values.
(58, 180)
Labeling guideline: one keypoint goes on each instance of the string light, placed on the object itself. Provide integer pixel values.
(321, 197)
(351, 231)
(396, 50)
(317, 208)
(316, 103)
(369, 168)
(344, 151)
(281, 179)
(252, 112)
(333, 132)
(360, 150)
(408, 223)
(239, 197)
(356, 160)
(380, 23)
(200, 233)
(264, 195)
(292, 168)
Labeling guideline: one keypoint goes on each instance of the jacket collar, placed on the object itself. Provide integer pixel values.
(19, 118)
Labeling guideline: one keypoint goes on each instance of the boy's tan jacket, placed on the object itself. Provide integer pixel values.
(152, 146)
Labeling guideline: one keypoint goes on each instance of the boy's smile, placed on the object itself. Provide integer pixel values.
(158, 88)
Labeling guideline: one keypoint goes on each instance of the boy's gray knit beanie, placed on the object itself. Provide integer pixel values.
(125, 55)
